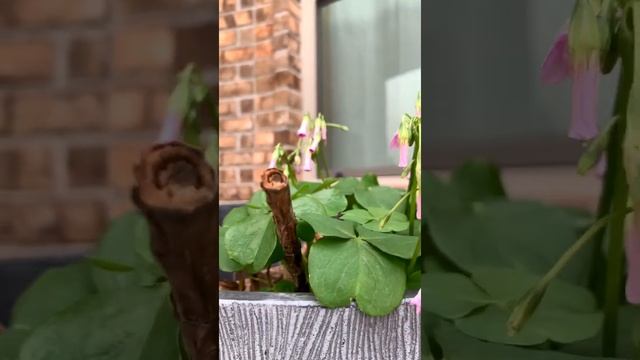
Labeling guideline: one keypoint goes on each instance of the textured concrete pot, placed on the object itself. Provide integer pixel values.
(277, 326)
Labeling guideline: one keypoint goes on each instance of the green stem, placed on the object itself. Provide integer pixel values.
(620, 190)
(413, 190)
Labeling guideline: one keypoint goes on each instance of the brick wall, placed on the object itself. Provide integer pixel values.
(83, 88)
(260, 96)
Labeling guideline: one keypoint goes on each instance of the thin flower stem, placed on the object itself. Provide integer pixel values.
(395, 207)
(619, 193)
(413, 190)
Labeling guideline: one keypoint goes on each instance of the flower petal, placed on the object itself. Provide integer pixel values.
(417, 301)
(584, 101)
(171, 129)
(557, 64)
(395, 142)
(404, 155)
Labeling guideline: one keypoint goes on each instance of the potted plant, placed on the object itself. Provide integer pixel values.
(510, 279)
(349, 255)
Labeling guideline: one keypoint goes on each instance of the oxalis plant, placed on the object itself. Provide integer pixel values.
(114, 304)
(521, 280)
(352, 239)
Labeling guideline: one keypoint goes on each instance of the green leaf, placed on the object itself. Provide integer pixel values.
(327, 226)
(244, 240)
(401, 246)
(225, 263)
(348, 185)
(343, 270)
(397, 221)
(55, 290)
(457, 346)
(114, 326)
(478, 181)
(284, 286)
(235, 216)
(567, 313)
(369, 180)
(333, 201)
(358, 216)
(109, 265)
(451, 295)
(258, 203)
(118, 245)
(308, 204)
(11, 342)
(513, 234)
(161, 341)
(379, 197)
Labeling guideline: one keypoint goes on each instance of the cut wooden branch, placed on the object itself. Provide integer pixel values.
(276, 186)
(177, 192)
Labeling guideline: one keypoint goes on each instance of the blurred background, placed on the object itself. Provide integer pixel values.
(483, 97)
(83, 89)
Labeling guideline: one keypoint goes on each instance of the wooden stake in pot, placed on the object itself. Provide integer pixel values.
(177, 192)
(276, 186)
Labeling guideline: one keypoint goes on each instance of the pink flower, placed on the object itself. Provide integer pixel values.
(308, 162)
(417, 301)
(171, 129)
(632, 250)
(557, 64)
(272, 163)
(584, 89)
(404, 155)
(303, 131)
(395, 142)
(419, 206)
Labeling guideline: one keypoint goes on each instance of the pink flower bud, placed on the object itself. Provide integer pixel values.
(303, 131)
(307, 166)
(417, 301)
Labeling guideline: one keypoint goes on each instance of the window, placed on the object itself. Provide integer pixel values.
(482, 93)
(368, 76)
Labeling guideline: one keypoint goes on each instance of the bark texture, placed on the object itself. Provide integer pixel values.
(276, 186)
(178, 193)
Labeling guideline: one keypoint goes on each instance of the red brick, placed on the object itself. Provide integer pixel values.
(236, 159)
(261, 157)
(27, 60)
(81, 222)
(122, 157)
(265, 138)
(263, 32)
(240, 124)
(29, 223)
(5, 125)
(246, 141)
(247, 3)
(242, 18)
(143, 50)
(55, 12)
(159, 105)
(247, 37)
(228, 175)
(263, 67)
(237, 88)
(87, 166)
(34, 168)
(265, 84)
(246, 106)
(118, 207)
(227, 108)
(9, 168)
(227, 73)
(246, 175)
(237, 55)
(264, 50)
(227, 142)
(227, 5)
(38, 112)
(263, 14)
(196, 44)
(287, 98)
(88, 58)
(226, 38)
(246, 71)
(265, 103)
(126, 110)
(229, 193)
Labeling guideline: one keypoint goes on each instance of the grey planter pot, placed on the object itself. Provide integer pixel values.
(277, 326)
